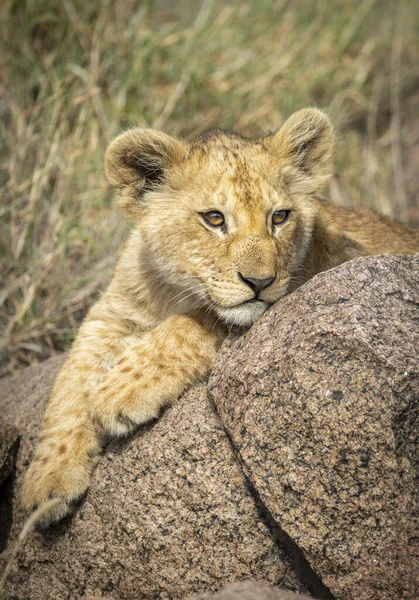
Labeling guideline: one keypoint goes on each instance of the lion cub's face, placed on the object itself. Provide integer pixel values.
(225, 220)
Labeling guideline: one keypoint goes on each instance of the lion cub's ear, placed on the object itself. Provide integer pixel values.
(304, 147)
(136, 161)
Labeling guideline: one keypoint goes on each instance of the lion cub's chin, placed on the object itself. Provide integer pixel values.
(243, 315)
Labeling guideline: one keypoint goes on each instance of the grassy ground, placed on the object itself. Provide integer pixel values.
(73, 73)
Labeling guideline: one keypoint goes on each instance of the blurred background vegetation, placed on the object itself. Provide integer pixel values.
(73, 73)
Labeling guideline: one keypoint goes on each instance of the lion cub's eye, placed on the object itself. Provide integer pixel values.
(214, 218)
(280, 216)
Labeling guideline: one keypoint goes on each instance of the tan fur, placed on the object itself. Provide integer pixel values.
(177, 289)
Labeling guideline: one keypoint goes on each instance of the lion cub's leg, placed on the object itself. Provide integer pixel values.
(68, 447)
(91, 400)
(153, 373)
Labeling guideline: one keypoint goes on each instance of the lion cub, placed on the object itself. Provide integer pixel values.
(224, 227)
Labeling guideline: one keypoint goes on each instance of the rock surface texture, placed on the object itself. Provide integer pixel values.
(320, 400)
(168, 513)
(306, 478)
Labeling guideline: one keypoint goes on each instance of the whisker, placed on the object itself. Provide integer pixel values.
(197, 303)
(219, 319)
(188, 296)
(192, 287)
(185, 298)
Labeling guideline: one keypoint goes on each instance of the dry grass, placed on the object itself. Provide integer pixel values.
(73, 73)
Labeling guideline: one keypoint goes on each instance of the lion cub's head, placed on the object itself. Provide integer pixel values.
(224, 218)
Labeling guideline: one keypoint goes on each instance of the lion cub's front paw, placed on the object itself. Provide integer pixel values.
(46, 480)
(128, 397)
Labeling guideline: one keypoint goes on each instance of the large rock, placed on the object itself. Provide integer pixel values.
(320, 406)
(320, 400)
(169, 512)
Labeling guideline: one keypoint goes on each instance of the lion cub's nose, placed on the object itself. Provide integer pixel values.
(257, 285)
